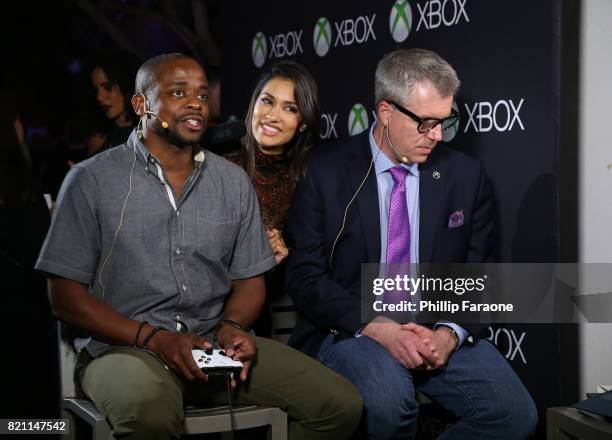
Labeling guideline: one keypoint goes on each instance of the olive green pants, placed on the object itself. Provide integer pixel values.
(142, 399)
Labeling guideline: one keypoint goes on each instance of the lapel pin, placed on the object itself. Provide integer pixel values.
(436, 175)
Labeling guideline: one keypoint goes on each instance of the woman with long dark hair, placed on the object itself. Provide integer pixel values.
(282, 126)
(112, 77)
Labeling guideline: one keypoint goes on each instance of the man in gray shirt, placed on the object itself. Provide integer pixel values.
(157, 247)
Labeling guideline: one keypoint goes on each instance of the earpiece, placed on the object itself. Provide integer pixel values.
(348, 205)
(399, 157)
(149, 113)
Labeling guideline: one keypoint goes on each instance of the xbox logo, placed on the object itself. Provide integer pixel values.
(449, 135)
(400, 20)
(358, 120)
(259, 49)
(321, 38)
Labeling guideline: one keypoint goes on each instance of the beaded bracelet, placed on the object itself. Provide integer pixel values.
(232, 323)
(150, 336)
(140, 326)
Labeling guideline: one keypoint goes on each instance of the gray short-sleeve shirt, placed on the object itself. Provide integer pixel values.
(152, 256)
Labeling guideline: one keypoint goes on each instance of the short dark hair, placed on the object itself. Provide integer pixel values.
(148, 72)
(307, 100)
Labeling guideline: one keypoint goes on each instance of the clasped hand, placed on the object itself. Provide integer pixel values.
(414, 346)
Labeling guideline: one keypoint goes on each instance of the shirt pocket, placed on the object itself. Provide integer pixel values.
(216, 237)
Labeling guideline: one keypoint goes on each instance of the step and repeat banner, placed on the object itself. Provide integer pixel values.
(506, 55)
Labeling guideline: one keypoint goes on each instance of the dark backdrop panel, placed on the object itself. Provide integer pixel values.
(504, 54)
(507, 56)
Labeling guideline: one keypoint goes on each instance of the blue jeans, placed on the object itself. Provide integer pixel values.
(476, 384)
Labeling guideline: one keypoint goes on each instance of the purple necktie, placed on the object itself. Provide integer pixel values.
(398, 231)
(398, 238)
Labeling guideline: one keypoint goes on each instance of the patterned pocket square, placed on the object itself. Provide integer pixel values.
(456, 219)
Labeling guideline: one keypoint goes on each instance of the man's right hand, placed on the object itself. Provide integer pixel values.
(405, 346)
(175, 351)
(72, 303)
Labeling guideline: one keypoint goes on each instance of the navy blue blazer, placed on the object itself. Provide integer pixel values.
(328, 297)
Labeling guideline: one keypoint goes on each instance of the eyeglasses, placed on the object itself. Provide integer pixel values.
(428, 124)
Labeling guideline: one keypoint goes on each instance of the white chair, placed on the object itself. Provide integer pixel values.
(198, 420)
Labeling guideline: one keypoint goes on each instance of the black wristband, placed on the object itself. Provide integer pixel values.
(232, 323)
(140, 326)
(150, 336)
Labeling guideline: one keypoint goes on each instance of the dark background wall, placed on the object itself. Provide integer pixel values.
(508, 57)
(516, 59)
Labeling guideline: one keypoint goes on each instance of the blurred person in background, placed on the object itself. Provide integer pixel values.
(32, 385)
(112, 77)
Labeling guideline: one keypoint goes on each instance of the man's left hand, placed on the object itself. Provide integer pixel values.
(440, 341)
(239, 345)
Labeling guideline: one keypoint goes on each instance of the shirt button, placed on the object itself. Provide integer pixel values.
(178, 251)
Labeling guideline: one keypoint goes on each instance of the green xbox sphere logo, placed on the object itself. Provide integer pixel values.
(358, 120)
(449, 134)
(400, 20)
(321, 38)
(259, 49)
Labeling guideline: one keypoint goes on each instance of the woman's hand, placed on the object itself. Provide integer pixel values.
(277, 244)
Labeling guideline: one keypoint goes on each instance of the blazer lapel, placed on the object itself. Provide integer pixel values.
(367, 199)
(431, 193)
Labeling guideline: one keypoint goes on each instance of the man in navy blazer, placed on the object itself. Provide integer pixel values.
(340, 218)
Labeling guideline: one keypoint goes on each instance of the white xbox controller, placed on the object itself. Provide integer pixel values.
(215, 361)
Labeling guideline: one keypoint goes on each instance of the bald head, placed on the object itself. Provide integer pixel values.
(150, 70)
